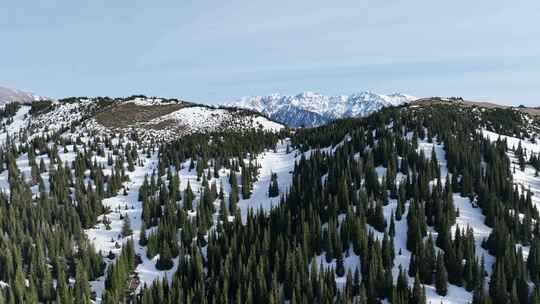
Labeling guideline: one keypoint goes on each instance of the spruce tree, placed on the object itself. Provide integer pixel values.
(126, 227)
(441, 281)
(165, 258)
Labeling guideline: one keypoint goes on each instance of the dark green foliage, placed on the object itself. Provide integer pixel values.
(9, 109)
(441, 281)
(40, 106)
(119, 274)
(165, 258)
(126, 227)
(273, 188)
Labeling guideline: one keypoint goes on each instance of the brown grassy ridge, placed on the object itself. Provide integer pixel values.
(124, 115)
(533, 111)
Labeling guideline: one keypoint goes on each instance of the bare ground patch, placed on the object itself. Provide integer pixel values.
(124, 115)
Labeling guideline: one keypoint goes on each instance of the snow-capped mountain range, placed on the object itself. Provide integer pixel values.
(307, 109)
(313, 109)
(8, 95)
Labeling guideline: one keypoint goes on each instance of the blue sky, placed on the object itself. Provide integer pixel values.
(214, 51)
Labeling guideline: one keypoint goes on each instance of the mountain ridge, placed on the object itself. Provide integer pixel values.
(311, 109)
(8, 95)
(149, 119)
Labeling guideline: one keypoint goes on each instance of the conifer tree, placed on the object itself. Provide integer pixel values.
(441, 281)
(273, 188)
(165, 258)
(188, 197)
(143, 240)
(126, 227)
(340, 267)
(418, 294)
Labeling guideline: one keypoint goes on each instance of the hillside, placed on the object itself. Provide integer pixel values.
(146, 119)
(161, 201)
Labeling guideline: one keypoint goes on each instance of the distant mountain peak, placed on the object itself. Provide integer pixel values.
(8, 95)
(312, 109)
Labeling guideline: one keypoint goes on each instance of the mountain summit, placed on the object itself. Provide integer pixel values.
(311, 109)
(8, 95)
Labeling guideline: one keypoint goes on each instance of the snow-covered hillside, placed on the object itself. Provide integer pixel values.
(167, 192)
(198, 119)
(312, 109)
(151, 119)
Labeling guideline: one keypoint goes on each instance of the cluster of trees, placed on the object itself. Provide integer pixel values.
(43, 240)
(40, 106)
(481, 171)
(119, 276)
(9, 110)
(42, 215)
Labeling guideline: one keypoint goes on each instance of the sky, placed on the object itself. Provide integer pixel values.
(219, 51)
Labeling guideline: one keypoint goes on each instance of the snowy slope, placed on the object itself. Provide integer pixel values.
(279, 162)
(312, 109)
(200, 119)
(104, 240)
(469, 216)
(196, 118)
(527, 179)
(18, 124)
(152, 119)
(282, 163)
